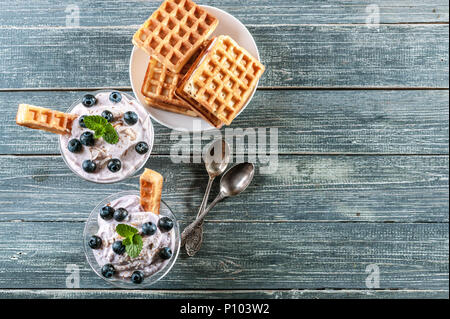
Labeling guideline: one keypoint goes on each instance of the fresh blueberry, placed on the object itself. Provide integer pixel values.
(115, 97)
(107, 212)
(89, 100)
(87, 138)
(165, 253)
(118, 247)
(108, 271)
(81, 121)
(120, 214)
(148, 228)
(89, 166)
(137, 277)
(108, 116)
(95, 242)
(114, 165)
(141, 147)
(165, 223)
(74, 145)
(130, 117)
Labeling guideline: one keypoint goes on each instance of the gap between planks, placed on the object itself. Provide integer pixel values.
(133, 27)
(206, 291)
(280, 154)
(260, 88)
(251, 221)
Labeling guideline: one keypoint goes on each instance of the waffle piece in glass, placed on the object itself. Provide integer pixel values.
(44, 119)
(174, 32)
(151, 184)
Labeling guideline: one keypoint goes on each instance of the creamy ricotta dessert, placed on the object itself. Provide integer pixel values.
(109, 248)
(95, 158)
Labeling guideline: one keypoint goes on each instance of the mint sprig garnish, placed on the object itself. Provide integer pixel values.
(101, 128)
(133, 241)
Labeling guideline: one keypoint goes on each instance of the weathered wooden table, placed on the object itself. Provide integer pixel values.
(362, 184)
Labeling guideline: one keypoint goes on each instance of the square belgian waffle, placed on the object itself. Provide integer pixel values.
(159, 89)
(221, 80)
(174, 32)
(44, 119)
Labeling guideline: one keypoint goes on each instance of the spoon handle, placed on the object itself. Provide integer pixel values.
(206, 196)
(193, 242)
(187, 231)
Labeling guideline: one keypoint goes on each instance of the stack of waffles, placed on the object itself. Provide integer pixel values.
(189, 73)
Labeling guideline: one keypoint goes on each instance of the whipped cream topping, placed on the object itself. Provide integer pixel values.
(148, 260)
(102, 152)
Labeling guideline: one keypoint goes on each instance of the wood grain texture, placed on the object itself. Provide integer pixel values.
(270, 256)
(295, 56)
(362, 176)
(223, 294)
(357, 122)
(305, 189)
(112, 13)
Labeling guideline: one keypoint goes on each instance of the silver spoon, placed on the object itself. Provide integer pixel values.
(216, 158)
(232, 183)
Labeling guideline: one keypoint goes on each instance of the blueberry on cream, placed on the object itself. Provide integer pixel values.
(89, 166)
(107, 212)
(74, 145)
(89, 100)
(130, 118)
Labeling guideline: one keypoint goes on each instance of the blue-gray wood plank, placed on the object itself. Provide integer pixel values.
(218, 294)
(305, 189)
(259, 12)
(288, 255)
(344, 122)
(363, 174)
(411, 55)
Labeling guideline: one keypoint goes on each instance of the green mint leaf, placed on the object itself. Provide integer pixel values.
(125, 230)
(135, 248)
(101, 128)
(126, 241)
(95, 122)
(110, 135)
(99, 133)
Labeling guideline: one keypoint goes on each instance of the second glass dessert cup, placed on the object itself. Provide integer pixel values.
(92, 227)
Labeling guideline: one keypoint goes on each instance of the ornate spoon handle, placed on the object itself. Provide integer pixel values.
(188, 230)
(195, 239)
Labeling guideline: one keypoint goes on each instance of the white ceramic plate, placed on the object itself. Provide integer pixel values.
(228, 25)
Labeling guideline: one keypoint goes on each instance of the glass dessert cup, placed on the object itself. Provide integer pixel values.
(91, 228)
(116, 177)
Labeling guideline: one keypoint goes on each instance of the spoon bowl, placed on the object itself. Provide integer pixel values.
(237, 179)
(216, 157)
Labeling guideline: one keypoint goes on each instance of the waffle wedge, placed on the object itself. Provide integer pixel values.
(159, 89)
(174, 32)
(221, 80)
(151, 184)
(180, 109)
(40, 118)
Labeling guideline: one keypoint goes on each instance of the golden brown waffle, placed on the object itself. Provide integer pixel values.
(44, 119)
(151, 184)
(221, 80)
(174, 32)
(185, 110)
(159, 89)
